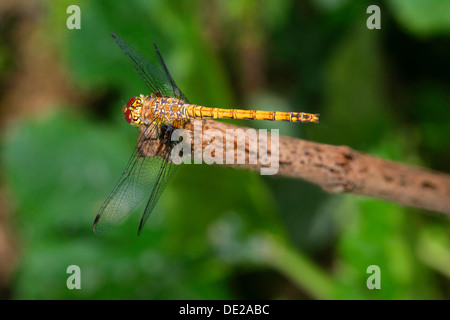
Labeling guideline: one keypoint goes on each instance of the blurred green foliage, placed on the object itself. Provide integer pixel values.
(220, 233)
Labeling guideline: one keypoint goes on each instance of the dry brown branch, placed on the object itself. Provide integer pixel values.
(340, 169)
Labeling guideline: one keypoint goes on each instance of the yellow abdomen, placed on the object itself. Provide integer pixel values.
(194, 112)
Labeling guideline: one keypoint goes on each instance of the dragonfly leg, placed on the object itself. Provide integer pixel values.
(165, 135)
(154, 137)
(166, 132)
(168, 136)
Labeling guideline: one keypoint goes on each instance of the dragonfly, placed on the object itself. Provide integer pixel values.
(158, 114)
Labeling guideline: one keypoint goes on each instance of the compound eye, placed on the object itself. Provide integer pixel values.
(131, 101)
(128, 115)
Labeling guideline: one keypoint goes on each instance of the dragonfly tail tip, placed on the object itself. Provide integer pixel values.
(316, 117)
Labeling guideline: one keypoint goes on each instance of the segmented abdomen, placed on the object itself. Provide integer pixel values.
(192, 111)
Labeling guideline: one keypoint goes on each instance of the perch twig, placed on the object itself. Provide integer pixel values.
(339, 169)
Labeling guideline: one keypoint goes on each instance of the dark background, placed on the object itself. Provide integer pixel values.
(220, 233)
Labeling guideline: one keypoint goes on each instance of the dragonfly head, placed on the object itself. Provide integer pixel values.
(132, 111)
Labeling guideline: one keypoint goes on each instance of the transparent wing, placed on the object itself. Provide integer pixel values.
(166, 171)
(143, 178)
(156, 80)
(177, 92)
